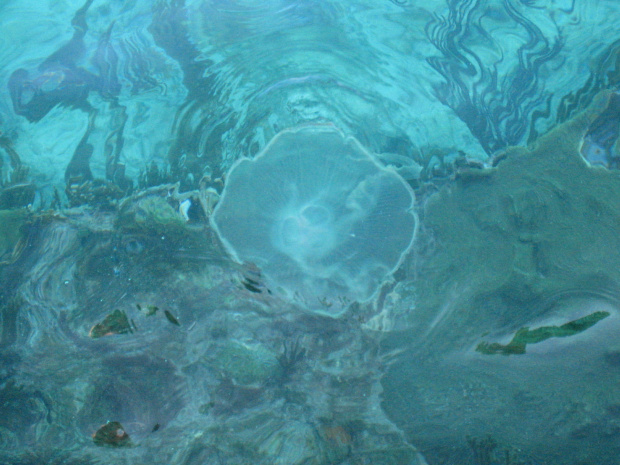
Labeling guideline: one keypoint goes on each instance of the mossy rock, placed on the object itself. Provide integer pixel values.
(151, 213)
(541, 222)
(246, 364)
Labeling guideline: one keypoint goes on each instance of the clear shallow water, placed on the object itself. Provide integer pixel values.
(401, 78)
(141, 94)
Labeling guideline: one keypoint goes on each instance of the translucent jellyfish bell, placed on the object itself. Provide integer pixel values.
(320, 216)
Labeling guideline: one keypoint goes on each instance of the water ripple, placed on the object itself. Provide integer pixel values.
(496, 97)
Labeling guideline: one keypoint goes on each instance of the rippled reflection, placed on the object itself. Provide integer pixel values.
(128, 334)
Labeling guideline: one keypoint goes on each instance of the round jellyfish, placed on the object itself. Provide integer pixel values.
(323, 219)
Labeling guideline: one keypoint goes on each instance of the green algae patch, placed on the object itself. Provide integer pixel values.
(525, 336)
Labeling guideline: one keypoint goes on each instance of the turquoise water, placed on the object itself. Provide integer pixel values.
(429, 276)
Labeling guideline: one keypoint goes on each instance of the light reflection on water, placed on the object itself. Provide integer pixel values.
(211, 365)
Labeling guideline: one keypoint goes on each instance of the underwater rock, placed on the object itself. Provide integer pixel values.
(246, 365)
(151, 212)
(142, 393)
(233, 383)
(161, 210)
(23, 410)
(112, 434)
(525, 254)
(294, 442)
(319, 215)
